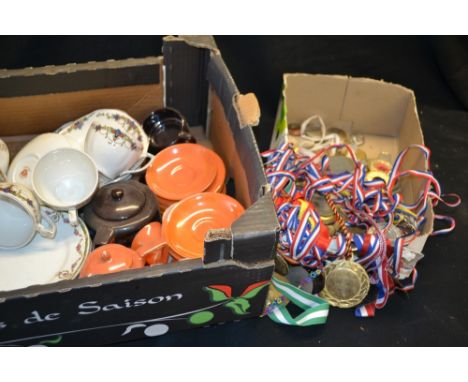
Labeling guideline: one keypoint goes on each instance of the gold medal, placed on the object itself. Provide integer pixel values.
(346, 283)
(381, 164)
(371, 175)
(361, 155)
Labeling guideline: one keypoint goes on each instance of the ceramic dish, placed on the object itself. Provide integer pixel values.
(119, 210)
(180, 171)
(111, 258)
(218, 183)
(25, 161)
(186, 223)
(4, 158)
(77, 131)
(46, 261)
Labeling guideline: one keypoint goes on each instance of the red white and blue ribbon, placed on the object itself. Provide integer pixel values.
(295, 178)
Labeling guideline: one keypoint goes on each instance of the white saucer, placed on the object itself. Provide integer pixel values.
(46, 261)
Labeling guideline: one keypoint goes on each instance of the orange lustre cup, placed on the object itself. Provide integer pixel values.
(149, 236)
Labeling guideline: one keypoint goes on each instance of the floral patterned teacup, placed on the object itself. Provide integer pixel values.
(21, 217)
(116, 142)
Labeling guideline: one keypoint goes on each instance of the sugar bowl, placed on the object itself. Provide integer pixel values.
(119, 210)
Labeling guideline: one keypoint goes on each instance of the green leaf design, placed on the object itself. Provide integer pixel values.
(201, 317)
(254, 292)
(216, 295)
(238, 305)
(52, 341)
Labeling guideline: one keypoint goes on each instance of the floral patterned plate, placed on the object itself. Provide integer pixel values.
(46, 261)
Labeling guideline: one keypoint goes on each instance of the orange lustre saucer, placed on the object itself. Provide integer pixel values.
(181, 170)
(186, 223)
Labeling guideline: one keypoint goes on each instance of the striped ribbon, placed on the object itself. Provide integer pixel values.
(366, 203)
(315, 309)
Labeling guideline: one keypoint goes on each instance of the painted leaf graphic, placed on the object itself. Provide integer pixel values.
(254, 289)
(238, 305)
(53, 341)
(200, 318)
(131, 327)
(217, 294)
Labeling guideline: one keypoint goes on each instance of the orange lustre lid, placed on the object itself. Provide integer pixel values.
(109, 258)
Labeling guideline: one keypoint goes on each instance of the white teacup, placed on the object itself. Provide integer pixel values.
(22, 166)
(20, 217)
(65, 179)
(116, 142)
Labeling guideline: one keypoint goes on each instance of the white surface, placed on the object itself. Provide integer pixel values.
(42, 260)
(23, 163)
(16, 225)
(65, 178)
(112, 157)
(4, 157)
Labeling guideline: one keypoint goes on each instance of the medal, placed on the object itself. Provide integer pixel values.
(340, 164)
(346, 282)
(281, 265)
(372, 175)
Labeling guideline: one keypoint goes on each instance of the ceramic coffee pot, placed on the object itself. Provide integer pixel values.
(119, 210)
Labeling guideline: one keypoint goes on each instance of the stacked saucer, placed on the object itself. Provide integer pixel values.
(183, 170)
(186, 223)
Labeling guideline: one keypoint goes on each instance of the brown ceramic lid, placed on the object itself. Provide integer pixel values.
(119, 201)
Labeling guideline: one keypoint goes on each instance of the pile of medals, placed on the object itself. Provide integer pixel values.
(343, 218)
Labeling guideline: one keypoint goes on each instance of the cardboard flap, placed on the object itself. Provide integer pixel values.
(197, 41)
(259, 222)
(186, 87)
(248, 109)
(218, 245)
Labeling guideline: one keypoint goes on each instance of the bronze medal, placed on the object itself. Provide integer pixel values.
(346, 283)
(281, 265)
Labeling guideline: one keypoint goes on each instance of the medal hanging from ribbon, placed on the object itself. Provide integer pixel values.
(372, 204)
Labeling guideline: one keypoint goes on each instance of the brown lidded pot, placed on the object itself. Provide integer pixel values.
(119, 210)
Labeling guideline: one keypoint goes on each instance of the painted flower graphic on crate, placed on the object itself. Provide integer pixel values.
(238, 305)
(219, 294)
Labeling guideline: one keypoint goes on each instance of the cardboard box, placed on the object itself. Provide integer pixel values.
(384, 113)
(192, 77)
